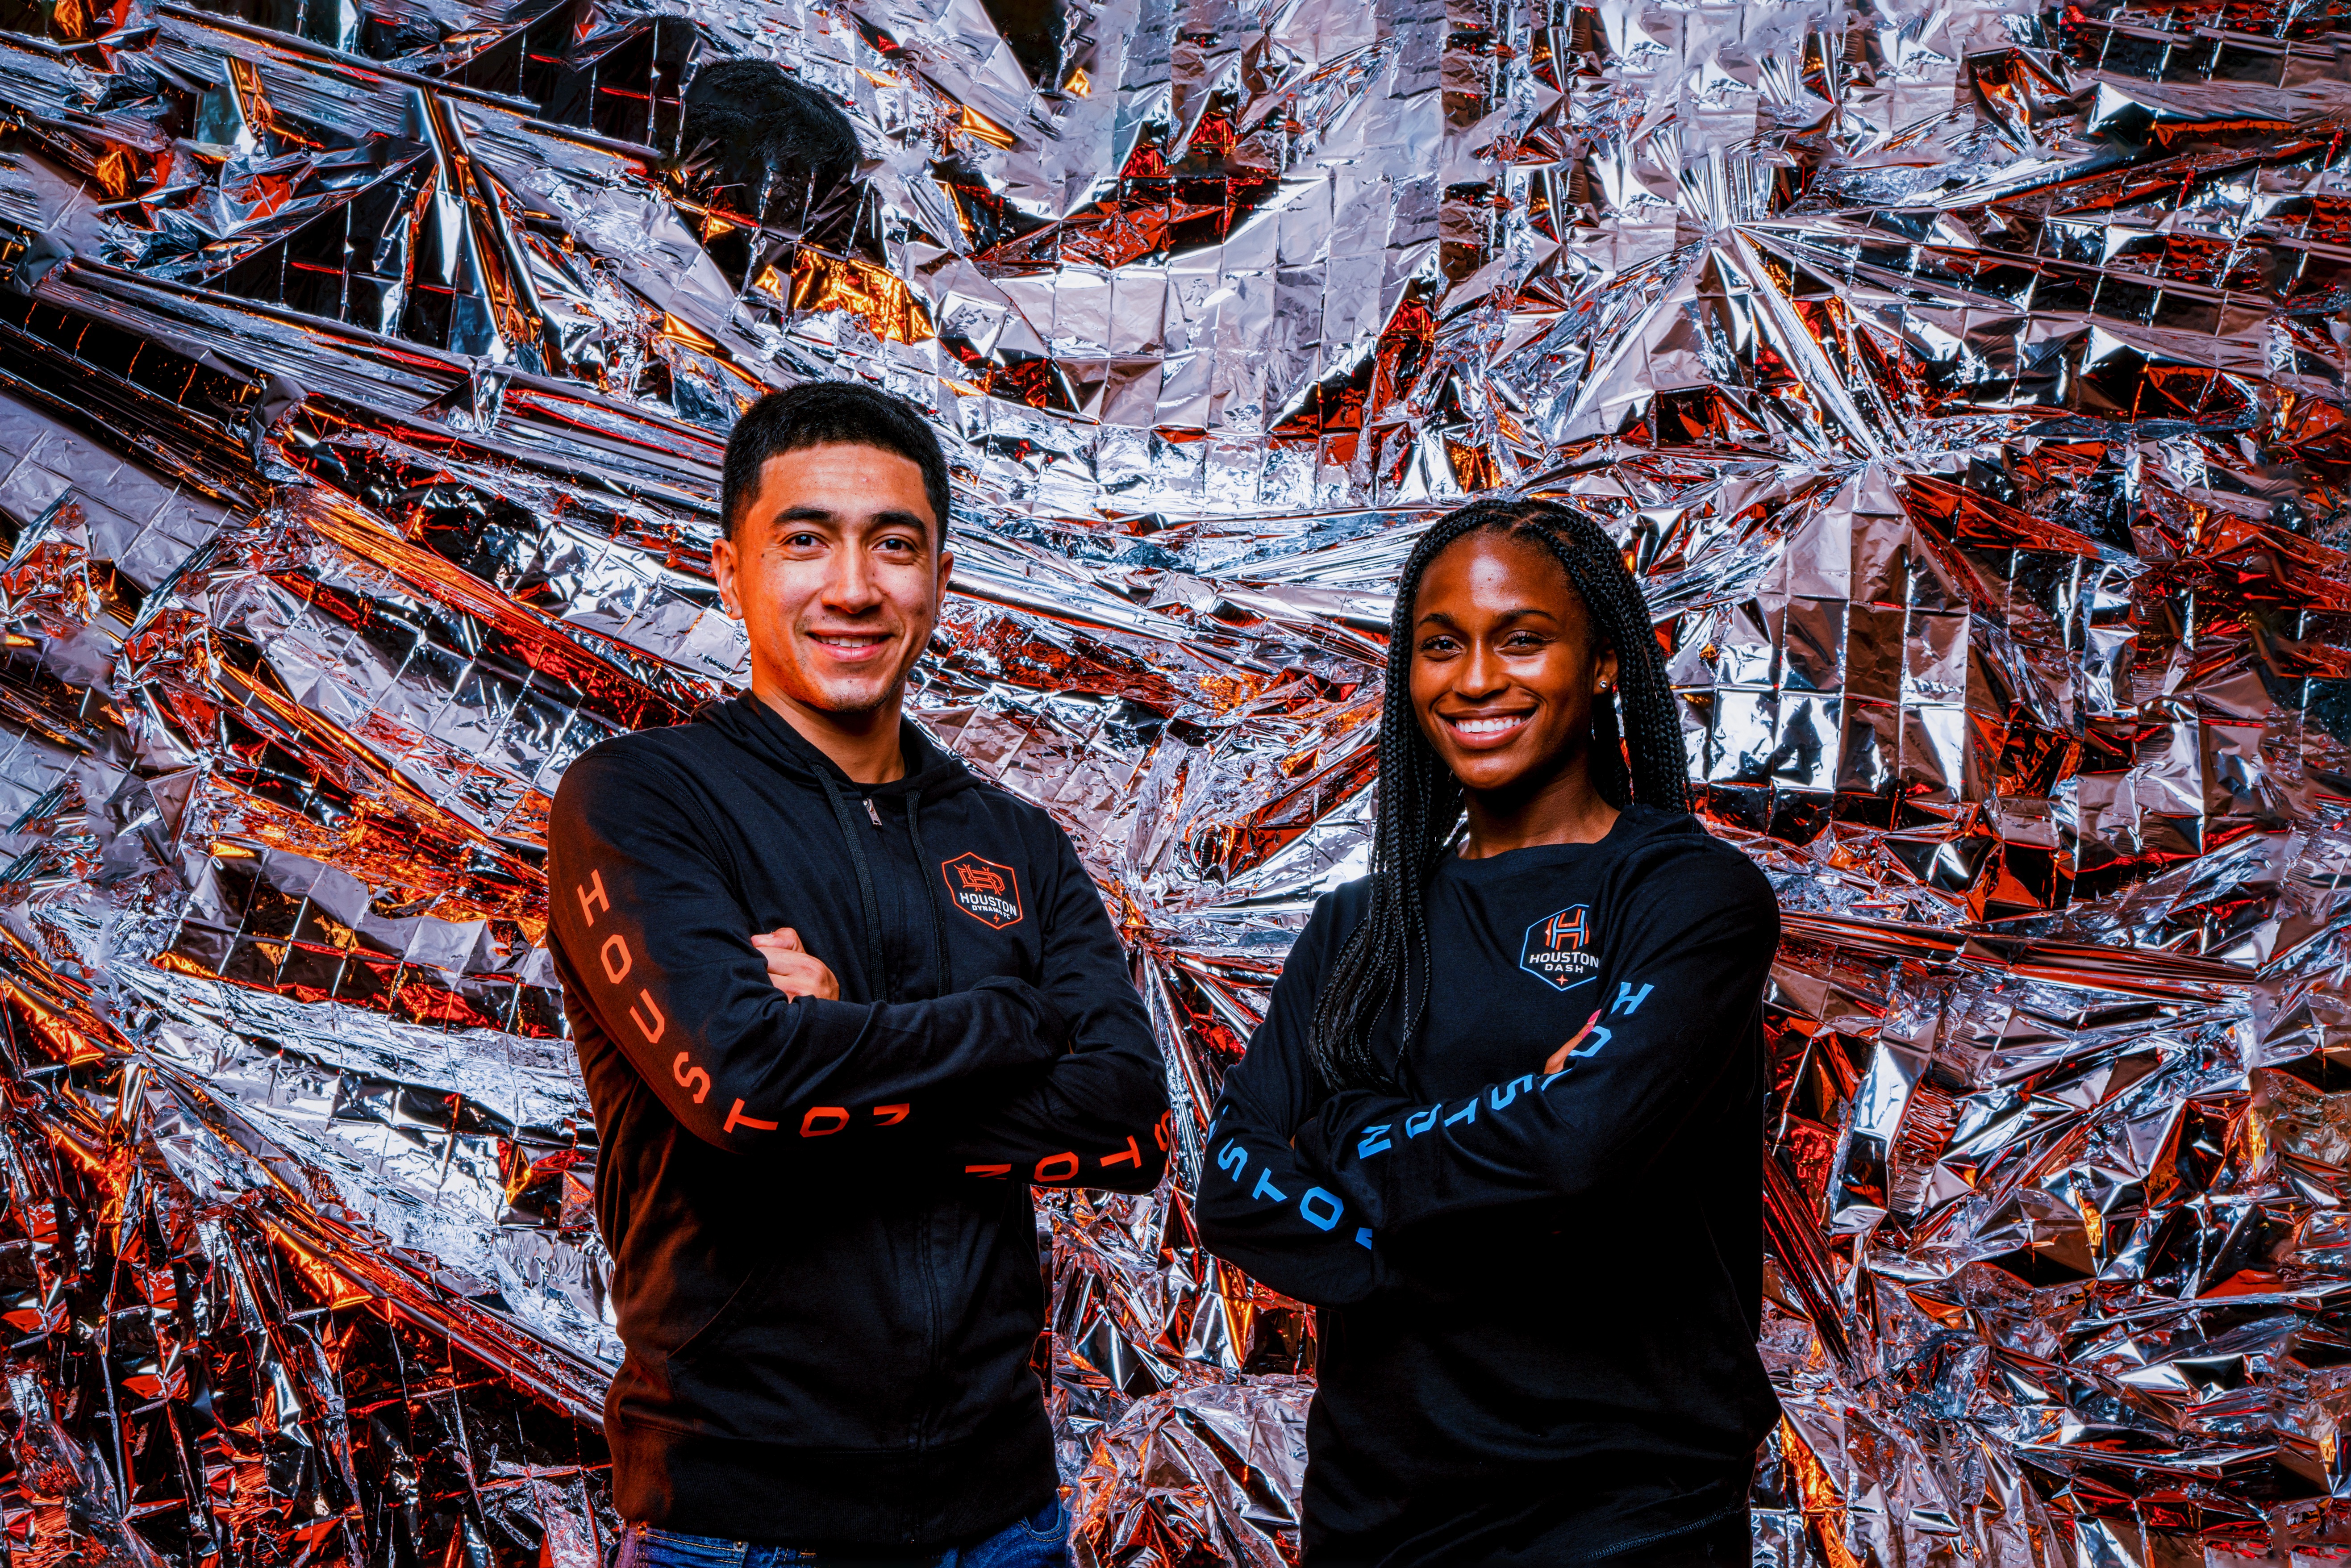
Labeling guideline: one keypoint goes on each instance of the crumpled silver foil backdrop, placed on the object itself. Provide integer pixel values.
(1965, 380)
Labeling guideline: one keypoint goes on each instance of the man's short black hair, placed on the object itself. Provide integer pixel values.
(828, 414)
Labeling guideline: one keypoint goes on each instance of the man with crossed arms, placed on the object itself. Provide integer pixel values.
(839, 1004)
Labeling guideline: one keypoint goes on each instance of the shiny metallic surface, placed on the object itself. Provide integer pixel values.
(1965, 380)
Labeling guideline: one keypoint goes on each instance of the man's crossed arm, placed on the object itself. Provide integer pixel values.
(746, 1044)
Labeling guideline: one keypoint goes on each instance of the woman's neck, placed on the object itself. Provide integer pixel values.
(1561, 810)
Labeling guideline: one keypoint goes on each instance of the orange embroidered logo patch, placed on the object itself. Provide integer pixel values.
(984, 890)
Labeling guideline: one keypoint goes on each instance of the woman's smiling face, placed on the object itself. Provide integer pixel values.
(1504, 672)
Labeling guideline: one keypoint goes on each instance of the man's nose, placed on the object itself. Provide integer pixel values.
(851, 585)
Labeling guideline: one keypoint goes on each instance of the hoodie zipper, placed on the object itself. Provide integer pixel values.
(934, 1332)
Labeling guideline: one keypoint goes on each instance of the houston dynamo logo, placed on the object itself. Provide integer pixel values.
(1558, 949)
(982, 889)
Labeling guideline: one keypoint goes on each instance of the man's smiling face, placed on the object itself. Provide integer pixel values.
(837, 570)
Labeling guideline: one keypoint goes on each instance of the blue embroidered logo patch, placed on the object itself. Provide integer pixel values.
(1558, 949)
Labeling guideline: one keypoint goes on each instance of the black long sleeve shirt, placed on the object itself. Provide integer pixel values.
(1540, 1292)
(825, 1261)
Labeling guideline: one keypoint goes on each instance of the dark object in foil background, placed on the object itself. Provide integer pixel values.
(1965, 381)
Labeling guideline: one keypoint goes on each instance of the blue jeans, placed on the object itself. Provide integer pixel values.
(1041, 1541)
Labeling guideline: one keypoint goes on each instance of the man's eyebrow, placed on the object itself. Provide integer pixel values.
(894, 518)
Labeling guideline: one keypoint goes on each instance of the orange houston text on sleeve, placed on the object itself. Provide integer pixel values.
(735, 1118)
(591, 894)
(617, 962)
(823, 1120)
(651, 1028)
(1062, 1169)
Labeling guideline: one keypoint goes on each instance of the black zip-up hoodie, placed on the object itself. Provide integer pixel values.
(825, 1256)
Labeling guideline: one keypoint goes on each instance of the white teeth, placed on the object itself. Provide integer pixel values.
(1484, 725)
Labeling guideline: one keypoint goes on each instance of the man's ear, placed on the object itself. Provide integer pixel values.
(946, 572)
(722, 568)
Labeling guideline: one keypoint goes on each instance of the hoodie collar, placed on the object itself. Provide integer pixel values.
(930, 772)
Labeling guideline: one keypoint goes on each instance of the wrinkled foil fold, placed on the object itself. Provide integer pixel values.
(1965, 382)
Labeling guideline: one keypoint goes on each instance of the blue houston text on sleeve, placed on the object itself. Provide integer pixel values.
(1319, 1206)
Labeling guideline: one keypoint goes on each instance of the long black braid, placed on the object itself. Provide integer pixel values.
(1420, 801)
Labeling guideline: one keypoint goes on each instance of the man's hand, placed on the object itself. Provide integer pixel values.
(792, 970)
(1558, 1057)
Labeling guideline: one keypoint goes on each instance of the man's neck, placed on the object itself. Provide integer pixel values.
(865, 746)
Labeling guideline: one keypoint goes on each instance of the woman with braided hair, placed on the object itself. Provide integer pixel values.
(1503, 1122)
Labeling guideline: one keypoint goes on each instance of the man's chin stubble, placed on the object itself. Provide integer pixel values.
(845, 703)
(837, 705)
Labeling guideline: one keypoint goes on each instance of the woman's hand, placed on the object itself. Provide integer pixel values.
(791, 969)
(1559, 1058)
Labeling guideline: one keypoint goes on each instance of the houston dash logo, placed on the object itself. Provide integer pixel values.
(984, 890)
(1558, 949)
